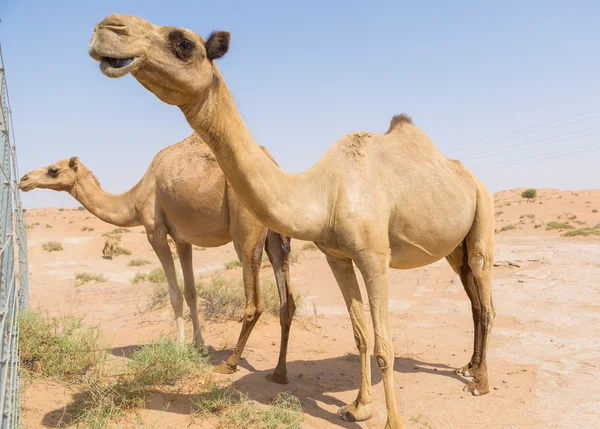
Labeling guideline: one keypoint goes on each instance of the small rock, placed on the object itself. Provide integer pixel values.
(300, 375)
(504, 381)
(273, 343)
(495, 388)
(435, 369)
(319, 376)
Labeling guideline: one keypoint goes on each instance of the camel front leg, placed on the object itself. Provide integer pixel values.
(189, 291)
(278, 249)
(251, 261)
(158, 241)
(344, 274)
(374, 271)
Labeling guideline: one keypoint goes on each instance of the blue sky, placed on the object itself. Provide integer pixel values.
(306, 73)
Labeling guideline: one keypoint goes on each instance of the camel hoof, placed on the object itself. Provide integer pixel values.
(279, 379)
(477, 388)
(465, 371)
(354, 413)
(224, 369)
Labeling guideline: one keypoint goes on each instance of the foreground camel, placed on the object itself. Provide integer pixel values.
(377, 200)
(184, 194)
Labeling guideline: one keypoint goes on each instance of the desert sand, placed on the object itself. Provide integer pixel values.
(544, 351)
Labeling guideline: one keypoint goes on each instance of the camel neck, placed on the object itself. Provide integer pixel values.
(291, 204)
(116, 209)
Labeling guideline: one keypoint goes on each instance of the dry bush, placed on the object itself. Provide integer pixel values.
(52, 246)
(83, 278)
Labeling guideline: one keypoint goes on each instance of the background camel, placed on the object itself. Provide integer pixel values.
(109, 246)
(184, 194)
(375, 200)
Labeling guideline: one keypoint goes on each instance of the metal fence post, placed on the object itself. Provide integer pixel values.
(14, 292)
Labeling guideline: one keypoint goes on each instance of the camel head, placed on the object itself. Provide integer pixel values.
(174, 63)
(60, 176)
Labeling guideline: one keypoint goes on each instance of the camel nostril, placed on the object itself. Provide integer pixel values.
(24, 178)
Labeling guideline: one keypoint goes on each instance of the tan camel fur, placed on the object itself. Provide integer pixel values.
(184, 194)
(378, 200)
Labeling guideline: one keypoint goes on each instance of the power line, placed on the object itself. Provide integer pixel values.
(528, 144)
(520, 130)
(551, 155)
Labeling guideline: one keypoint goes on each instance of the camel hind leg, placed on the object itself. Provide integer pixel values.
(473, 261)
(278, 249)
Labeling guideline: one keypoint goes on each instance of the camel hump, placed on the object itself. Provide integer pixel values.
(398, 121)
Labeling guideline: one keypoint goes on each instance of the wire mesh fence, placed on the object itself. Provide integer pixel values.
(14, 286)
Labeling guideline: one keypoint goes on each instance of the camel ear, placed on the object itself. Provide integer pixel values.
(217, 44)
(73, 162)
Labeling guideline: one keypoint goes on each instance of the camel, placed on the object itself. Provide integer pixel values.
(378, 201)
(184, 194)
(109, 248)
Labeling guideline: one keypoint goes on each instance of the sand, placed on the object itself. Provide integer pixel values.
(544, 351)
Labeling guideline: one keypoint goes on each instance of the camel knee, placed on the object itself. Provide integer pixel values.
(384, 354)
(477, 263)
(252, 314)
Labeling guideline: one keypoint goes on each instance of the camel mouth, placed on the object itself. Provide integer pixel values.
(118, 63)
(26, 187)
(117, 67)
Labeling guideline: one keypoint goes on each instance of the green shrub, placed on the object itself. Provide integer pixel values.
(62, 209)
(48, 226)
(81, 208)
(529, 193)
(118, 251)
(157, 275)
(582, 231)
(508, 228)
(236, 410)
(558, 225)
(87, 228)
(139, 277)
(61, 347)
(165, 362)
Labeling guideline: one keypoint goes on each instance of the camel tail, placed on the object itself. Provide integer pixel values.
(398, 121)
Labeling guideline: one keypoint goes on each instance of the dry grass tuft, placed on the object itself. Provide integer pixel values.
(52, 246)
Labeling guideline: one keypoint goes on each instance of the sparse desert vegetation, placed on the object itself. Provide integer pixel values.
(87, 228)
(233, 264)
(138, 262)
(559, 225)
(59, 347)
(52, 246)
(83, 278)
(223, 298)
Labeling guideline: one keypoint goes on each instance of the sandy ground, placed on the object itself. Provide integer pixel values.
(544, 353)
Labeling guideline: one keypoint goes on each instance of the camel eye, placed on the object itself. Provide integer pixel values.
(53, 171)
(186, 45)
